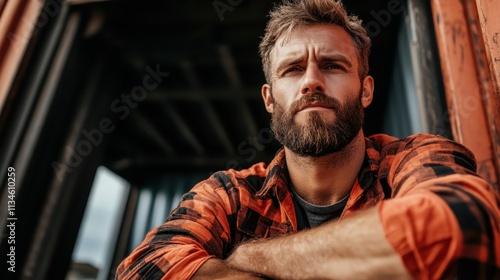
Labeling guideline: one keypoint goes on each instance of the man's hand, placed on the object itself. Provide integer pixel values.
(354, 248)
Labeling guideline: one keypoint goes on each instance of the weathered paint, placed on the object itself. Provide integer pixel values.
(489, 18)
(17, 22)
(469, 79)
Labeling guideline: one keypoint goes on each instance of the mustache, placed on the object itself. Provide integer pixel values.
(315, 97)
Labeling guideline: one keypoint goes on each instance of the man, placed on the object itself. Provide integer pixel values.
(332, 204)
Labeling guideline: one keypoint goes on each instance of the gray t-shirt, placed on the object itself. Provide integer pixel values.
(318, 214)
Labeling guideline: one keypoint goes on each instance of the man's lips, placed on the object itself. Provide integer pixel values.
(317, 105)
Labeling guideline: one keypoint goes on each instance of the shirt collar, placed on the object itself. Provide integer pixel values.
(277, 174)
(368, 173)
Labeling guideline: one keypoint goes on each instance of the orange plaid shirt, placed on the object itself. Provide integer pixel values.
(436, 212)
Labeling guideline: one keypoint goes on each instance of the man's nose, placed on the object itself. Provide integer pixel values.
(313, 80)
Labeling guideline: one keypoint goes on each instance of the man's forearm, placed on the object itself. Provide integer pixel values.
(217, 269)
(354, 248)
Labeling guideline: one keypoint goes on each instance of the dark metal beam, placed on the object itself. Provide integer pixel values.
(203, 95)
(214, 120)
(219, 130)
(231, 70)
(144, 124)
(183, 128)
(229, 66)
(218, 161)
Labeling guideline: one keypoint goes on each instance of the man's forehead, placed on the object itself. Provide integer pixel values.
(322, 39)
(294, 49)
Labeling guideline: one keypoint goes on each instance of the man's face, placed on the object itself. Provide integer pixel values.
(319, 136)
(316, 98)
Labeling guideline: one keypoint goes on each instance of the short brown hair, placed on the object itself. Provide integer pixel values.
(290, 14)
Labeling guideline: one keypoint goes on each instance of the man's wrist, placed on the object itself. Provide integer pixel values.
(237, 258)
(216, 268)
(245, 256)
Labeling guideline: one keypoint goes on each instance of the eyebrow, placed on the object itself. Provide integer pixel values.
(287, 62)
(326, 58)
(337, 58)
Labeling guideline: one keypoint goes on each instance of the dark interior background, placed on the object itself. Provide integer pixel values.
(204, 115)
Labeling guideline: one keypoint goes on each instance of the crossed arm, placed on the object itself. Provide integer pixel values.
(419, 235)
(440, 217)
(354, 248)
(348, 249)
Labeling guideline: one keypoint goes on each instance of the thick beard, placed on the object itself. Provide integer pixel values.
(319, 137)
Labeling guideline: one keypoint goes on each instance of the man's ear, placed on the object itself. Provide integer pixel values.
(268, 98)
(368, 87)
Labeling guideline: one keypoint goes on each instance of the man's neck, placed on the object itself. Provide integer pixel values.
(327, 179)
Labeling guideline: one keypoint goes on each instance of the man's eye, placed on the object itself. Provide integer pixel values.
(334, 66)
(293, 69)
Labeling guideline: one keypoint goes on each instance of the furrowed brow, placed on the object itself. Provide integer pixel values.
(287, 62)
(337, 58)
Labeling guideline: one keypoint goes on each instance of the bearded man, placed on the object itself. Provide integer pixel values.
(333, 204)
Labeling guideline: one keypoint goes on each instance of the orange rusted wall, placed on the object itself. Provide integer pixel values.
(489, 18)
(17, 21)
(466, 40)
(2, 4)
(487, 13)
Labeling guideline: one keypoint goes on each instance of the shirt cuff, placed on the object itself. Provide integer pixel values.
(423, 231)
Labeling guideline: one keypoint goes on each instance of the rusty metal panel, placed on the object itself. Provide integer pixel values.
(470, 88)
(2, 5)
(488, 15)
(17, 22)
(489, 19)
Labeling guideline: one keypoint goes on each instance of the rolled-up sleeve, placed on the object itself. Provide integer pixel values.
(195, 231)
(443, 219)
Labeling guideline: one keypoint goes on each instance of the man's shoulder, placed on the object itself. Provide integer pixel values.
(251, 178)
(387, 141)
(420, 143)
(418, 155)
(258, 178)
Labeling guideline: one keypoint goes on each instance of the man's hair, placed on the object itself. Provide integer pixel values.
(290, 14)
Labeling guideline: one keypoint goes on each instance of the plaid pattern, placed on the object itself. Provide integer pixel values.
(460, 237)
